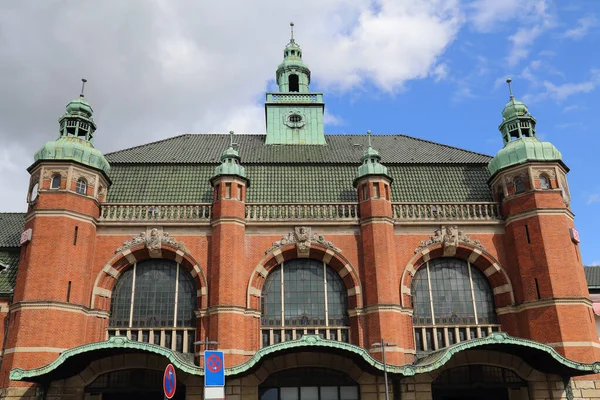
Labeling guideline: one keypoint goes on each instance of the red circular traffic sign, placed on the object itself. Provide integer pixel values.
(169, 381)
(214, 363)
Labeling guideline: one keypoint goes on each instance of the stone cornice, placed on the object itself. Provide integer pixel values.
(529, 305)
(59, 306)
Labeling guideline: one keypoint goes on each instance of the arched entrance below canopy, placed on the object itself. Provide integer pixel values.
(131, 384)
(309, 384)
(478, 381)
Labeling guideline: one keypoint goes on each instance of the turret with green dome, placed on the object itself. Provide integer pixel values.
(520, 142)
(75, 140)
(371, 164)
(230, 163)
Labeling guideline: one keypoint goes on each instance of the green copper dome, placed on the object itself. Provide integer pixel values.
(70, 148)
(514, 109)
(75, 141)
(371, 164)
(523, 150)
(230, 162)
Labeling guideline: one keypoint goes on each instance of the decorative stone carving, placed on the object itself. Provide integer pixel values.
(550, 173)
(88, 178)
(302, 236)
(49, 173)
(153, 242)
(450, 238)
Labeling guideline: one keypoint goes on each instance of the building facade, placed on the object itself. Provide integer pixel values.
(309, 258)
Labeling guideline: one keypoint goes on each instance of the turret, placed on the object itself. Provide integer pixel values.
(68, 182)
(528, 178)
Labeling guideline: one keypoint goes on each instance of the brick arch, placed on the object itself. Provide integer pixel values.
(479, 258)
(107, 277)
(332, 258)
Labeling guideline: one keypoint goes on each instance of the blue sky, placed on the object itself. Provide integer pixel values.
(432, 69)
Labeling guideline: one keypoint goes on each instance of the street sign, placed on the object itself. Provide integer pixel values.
(25, 236)
(574, 235)
(214, 368)
(169, 381)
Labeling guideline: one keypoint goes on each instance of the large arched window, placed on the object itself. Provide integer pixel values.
(452, 302)
(303, 297)
(154, 302)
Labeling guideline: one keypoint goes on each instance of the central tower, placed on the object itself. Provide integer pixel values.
(294, 114)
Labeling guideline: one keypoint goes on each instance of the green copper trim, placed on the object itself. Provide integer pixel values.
(313, 341)
(437, 359)
(115, 342)
(425, 364)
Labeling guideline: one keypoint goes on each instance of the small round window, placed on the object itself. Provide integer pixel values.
(295, 118)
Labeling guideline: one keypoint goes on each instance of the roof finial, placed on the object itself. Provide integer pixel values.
(231, 139)
(508, 80)
(292, 29)
(83, 81)
(369, 136)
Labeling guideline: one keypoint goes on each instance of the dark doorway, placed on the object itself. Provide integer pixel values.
(308, 384)
(476, 382)
(132, 384)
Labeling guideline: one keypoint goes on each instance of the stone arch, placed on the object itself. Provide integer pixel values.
(108, 275)
(333, 258)
(479, 258)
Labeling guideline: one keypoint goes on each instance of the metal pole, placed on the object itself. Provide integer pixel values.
(387, 396)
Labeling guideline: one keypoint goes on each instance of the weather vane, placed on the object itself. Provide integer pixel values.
(83, 81)
(508, 80)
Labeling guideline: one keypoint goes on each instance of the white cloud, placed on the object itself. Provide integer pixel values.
(158, 68)
(563, 91)
(593, 198)
(486, 14)
(582, 29)
(332, 120)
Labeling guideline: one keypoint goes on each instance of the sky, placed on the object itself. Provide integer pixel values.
(432, 69)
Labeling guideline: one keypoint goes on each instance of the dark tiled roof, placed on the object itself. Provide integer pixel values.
(592, 275)
(11, 227)
(296, 183)
(178, 170)
(344, 149)
(8, 276)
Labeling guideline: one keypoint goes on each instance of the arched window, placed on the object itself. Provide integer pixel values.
(544, 182)
(293, 83)
(81, 186)
(519, 185)
(302, 297)
(55, 183)
(144, 306)
(452, 302)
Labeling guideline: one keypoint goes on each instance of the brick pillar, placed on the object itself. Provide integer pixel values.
(53, 287)
(227, 280)
(545, 264)
(380, 278)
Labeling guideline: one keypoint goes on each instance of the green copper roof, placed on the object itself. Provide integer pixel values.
(77, 129)
(513, 109)
(522, 150)
(11, 227)
(73, 149)
(371, 164)
(230, 162)
(538, 355)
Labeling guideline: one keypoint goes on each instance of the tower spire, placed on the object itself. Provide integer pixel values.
(369, 136)
(508, 81)
(292, 29)
(83, 81)
(231, 139)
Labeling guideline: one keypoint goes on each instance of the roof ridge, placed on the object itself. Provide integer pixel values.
(148, 144)
(12, 212)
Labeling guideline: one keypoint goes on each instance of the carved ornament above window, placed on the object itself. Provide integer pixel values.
(302, 236)
(153, 242)
(450, 238)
